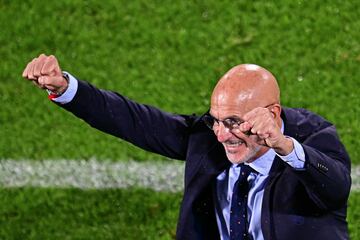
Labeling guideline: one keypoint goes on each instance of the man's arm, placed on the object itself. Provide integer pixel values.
(326, 171)
(145, 126)
(110, 112)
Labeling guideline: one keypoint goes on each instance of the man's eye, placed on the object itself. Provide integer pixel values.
(232, 122)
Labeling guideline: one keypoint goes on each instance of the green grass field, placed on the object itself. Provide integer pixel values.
(168, 54)
(112, 214)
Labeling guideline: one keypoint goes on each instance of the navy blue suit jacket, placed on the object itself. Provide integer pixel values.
(307, 204)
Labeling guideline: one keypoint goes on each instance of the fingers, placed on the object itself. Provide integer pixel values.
(25, 73)
(260, 124)
(257, 122)
(29, 70)
(44, 71)
(245, 127)
(51, 67)
(38, 65)
(261, 130)
(48, 81)
(41, 66)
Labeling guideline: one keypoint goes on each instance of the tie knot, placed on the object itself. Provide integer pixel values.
(245, 171)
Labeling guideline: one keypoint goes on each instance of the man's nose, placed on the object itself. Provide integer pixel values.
(222, 133)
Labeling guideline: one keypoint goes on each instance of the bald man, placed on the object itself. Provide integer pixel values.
(254, 170)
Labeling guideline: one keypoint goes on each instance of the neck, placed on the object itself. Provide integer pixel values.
(261, 152)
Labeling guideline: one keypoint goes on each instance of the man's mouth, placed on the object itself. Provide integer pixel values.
(234, 143)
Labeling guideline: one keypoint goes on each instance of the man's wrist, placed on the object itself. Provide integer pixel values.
(64, 88)
(69, 93)
(296, 158)
(286, 147)
(61, 90)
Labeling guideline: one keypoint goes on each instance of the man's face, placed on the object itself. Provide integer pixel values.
(242, 89)
(239, 148)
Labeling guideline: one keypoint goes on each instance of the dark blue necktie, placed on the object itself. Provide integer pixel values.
(238, 211)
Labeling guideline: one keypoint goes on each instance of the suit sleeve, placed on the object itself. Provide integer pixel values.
(142, 125)
(327, 166)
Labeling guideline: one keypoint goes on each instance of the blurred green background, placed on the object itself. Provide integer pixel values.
(169, 54)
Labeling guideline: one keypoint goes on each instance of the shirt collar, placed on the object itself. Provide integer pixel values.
(263, 163)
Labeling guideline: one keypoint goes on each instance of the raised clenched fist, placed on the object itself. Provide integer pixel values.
(44, 71)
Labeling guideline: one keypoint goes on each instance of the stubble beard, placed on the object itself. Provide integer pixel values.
(248, 157)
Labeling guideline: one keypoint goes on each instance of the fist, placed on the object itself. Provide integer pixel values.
(44, 71)
(264, 125)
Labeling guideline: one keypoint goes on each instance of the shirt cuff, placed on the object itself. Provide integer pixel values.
(296, 158)
(70, 92)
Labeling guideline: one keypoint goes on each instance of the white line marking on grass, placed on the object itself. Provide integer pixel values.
(355, 177)
(160, 176)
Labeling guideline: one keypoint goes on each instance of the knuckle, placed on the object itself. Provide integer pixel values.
(52, 58)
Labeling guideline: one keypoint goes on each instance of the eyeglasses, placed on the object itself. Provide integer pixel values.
(230, 123)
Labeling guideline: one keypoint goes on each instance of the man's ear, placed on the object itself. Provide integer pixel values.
(276, 110)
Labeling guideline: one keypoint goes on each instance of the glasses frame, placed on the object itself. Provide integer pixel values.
(230, 123)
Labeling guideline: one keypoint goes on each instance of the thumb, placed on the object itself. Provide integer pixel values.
(53, 83)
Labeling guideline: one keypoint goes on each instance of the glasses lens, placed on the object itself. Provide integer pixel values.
(229, 123)
(232, 123)
(209, 121)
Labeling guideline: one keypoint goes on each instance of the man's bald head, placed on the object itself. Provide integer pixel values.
(246, 86)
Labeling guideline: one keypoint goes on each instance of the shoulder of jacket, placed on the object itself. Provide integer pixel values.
(304, 122)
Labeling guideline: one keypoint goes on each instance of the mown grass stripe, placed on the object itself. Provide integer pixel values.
(93, 174)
